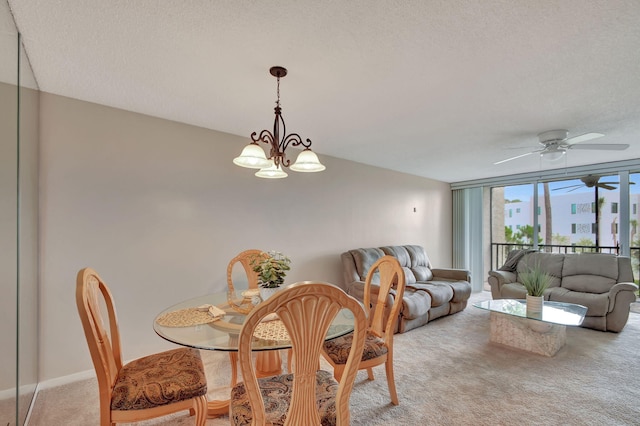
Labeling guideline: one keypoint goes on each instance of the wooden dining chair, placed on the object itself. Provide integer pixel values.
(246, 258)
(379, 341)
(148, 387)
(308, 396)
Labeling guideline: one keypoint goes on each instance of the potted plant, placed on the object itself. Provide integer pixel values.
(271, 268)
(535, 281)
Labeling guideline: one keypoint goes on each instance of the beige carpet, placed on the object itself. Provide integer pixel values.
(448, 374)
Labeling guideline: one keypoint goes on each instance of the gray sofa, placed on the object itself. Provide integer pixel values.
(601, 282)
(429, 293)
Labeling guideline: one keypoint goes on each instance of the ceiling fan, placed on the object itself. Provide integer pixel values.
(555, 144)
(590, 181)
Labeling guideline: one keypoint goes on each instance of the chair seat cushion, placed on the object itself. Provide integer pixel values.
(159, 379)
(338, 349)
(276, 393)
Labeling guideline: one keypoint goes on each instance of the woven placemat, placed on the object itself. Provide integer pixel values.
(185, 318)
(271, 330)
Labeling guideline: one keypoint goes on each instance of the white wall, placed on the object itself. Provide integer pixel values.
(158, 209)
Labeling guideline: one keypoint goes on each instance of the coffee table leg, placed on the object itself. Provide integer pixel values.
(527, 334)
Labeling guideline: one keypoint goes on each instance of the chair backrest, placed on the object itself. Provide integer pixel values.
(391, 276)
(306, 309)
(245, 258)
(104, 343)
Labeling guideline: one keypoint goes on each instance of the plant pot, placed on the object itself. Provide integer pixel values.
(534, 305)
(266, 292)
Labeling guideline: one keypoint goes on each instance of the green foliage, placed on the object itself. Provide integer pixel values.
(561, 240)
(535, 280)
(271, 267)
(524, 235)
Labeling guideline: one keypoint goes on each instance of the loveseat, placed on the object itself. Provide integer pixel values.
(429, 293)
(601, 282)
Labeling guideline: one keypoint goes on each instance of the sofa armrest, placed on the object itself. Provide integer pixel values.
(619, 288)
(499, 278)
(349, 272)
(452, 274)
(356, 289)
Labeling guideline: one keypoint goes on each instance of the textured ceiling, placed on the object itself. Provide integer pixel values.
(436, 88)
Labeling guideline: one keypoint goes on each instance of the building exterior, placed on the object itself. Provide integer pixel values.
(573, 217)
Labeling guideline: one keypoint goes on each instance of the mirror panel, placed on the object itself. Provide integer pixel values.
(8, 214)
(28, 137)
(19, 138)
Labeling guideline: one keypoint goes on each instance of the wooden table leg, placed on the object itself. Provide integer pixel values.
(217, 408)
(268, 363)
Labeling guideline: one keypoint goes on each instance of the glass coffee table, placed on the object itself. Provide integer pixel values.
(543, 332)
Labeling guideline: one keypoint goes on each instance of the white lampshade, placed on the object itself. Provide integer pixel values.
(553, 155)
(271, 172)
(307, 161)
(253, 157)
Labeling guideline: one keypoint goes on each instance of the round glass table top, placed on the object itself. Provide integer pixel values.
(221, 334)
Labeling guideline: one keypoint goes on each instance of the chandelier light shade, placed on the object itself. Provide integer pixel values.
(271, 172)
(254, 157)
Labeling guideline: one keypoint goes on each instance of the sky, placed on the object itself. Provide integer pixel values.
(524, 192)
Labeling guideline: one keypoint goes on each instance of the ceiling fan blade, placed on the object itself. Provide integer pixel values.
(605, 186)
(583, 138)
(601, 146)
(577, 187)
(513, 158)
(567, 187)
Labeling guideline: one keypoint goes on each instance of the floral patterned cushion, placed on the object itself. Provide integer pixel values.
(159, 379)
(276, 394)
(338, 349)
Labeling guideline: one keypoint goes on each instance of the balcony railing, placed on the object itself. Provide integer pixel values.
(499, 252)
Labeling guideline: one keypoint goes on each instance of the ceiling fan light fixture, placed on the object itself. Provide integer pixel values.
(553, 155)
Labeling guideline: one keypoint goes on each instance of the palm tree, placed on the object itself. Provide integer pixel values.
(548, 236)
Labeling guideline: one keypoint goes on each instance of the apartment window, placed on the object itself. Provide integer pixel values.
(510, 213)
(517, 226)
(593, 207)
(635, 209)
(582, 228)
(614, 207)
(574, 208)
(518, 210)
(594, 228)
(614, 228)
(539, 210)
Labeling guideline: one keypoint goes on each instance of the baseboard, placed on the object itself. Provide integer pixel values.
(63, 380)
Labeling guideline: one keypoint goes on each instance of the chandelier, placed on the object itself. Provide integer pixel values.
(254, 157)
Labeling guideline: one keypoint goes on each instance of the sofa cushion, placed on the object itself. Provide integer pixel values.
(364, 258)
(597, 304)
(415, 303)
(551, 263)
(440, 292)
(590, 272)
(400, 253)
(420, 264)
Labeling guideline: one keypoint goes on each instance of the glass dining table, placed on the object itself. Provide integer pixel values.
(213, 322)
